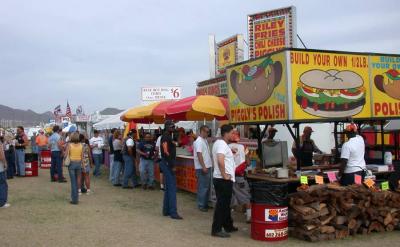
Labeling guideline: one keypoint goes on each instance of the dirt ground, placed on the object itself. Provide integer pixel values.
(40, 215)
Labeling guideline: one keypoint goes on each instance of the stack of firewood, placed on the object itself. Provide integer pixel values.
(325, 212)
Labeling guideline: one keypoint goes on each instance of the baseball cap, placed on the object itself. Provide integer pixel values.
(308, 129)
(272, 129)
(351, 128)
(168, 124)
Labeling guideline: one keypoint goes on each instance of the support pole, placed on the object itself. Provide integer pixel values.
(383, 142)
(296, 137)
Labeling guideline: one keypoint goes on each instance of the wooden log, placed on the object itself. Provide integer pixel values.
(327, 229)
(389, 227)
(340, 219)
(388, 219)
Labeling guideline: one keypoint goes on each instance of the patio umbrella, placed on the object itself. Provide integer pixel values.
(154, 112)
(198, 108)
(70, 128)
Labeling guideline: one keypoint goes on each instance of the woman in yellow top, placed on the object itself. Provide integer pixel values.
(74, 152)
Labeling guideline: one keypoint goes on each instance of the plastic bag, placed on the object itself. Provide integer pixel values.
(269, 193)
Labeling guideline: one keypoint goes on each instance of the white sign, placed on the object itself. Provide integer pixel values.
(161, 93)
(276, 214)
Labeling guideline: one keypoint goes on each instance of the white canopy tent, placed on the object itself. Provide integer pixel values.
(111, 122)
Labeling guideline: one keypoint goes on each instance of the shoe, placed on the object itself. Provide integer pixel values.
(53, 180)
(88, 192)
(10, 177)
(7, 205)
(62, 181)
(73, 203)
(233, 229)
(79, 192)
(117, 185)
(162, 189)
(151, 187)
(144, 187)
(221, 234)
(166, 215)
(176, 217)
(127, 187)
(203, 210)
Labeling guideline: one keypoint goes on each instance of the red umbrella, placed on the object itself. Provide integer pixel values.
(198, 108)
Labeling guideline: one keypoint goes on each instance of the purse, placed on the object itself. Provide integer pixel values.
(67, 159)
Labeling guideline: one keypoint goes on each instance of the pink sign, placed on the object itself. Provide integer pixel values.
(357, 179)
(332, 177)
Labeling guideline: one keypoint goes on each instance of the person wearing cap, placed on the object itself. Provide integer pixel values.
(271, 135)
(34, 146)
(307, 148)
(241, 190)
(167, 165)
(129, 156)
(352, 156)
(42, 142)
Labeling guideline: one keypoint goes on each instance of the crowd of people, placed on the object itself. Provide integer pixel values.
(132, 160)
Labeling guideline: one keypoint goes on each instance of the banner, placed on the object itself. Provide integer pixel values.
(161, 93)
(229, 52)
(216, 87)
(271, 31)
(258, 90)
(385, 80)
(329, 85)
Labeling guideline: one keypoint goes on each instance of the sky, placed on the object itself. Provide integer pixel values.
(99, 53)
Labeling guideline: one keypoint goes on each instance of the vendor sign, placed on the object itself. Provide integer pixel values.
(271, 31)
(258, 90)
(385, 80)
(329, 85)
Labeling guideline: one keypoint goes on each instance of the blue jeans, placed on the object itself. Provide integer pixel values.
(129, 171)
(56, 165)
(116, 171)
(147, 171)
(111, 166)
(169, 205)
(97, 158)
(74, 174)
(20, 155)
(3, 188)
(10, 156)
(203, 187)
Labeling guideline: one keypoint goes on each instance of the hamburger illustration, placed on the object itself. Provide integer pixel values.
(255, 84)
(331, 94)
(391, 86)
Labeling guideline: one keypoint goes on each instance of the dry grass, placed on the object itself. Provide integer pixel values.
(40, 215)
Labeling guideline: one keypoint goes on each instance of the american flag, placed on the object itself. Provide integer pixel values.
(68, 111)
(57, 110)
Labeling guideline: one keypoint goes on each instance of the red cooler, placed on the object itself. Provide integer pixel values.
(269, 223)
(45, 159)
(31, 169)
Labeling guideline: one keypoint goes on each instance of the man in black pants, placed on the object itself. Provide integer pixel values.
(352, 156)
(223, 178)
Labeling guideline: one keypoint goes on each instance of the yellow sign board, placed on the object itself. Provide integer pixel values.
(258, 90)
(329, 85)
(385, 85)
(226, 55)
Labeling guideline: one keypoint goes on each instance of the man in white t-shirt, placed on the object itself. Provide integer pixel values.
(97, 144)
(352, 156)
(223, 179)
(202, 165)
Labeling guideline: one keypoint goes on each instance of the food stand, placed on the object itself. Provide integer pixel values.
(297, 86)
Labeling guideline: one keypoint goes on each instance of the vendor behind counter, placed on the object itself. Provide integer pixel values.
(307, 148)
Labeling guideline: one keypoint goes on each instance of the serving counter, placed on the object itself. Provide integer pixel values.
(185, 173)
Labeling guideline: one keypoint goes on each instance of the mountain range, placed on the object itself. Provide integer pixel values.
(10, 117)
